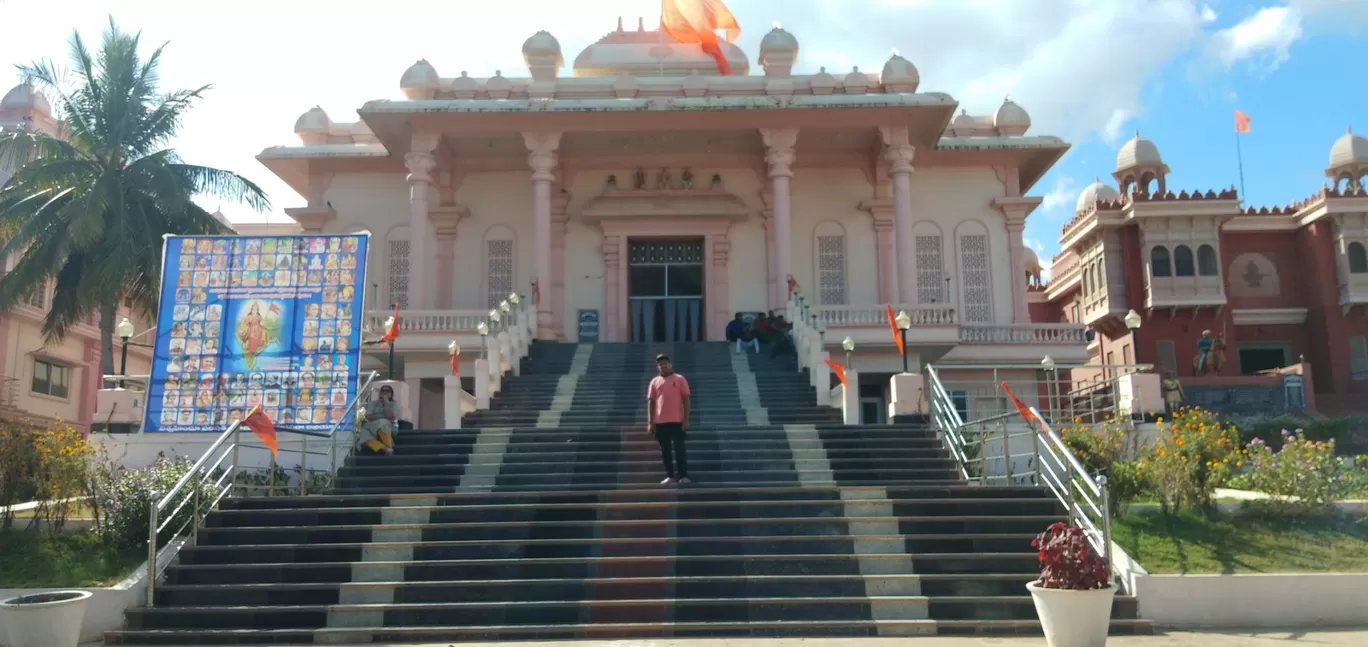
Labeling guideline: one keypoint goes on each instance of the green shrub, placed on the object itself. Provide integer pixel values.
(1194, 454)
(1344, 431)
(128, 500)
(1303, 476)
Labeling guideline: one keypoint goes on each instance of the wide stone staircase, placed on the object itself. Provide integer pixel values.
(543, 518)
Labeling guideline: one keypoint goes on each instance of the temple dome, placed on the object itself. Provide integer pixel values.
(420, 80)
(23, 98)
(1095, 192)
(1349, 149)
(1011, 119)
(900, 75)
(315, 121)
(652, 53)
(542, 43)
(778, 40)
(1029, 260)
(1138, 152)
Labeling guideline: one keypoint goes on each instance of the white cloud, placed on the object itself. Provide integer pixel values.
(1268, 35)
(1061, 196)
(1208, 14)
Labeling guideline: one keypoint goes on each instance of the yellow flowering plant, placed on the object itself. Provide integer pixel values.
(1108, 449)
(1194, 454)
(63, 475)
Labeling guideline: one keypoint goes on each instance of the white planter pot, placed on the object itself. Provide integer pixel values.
(1073, 618)
(45, 619)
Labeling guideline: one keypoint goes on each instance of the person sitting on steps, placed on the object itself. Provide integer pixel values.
(742, 333)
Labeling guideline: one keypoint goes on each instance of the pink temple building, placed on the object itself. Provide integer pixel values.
(1282, 287)
(644, 197)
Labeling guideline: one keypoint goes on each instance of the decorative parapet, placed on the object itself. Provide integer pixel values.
(1023, 334)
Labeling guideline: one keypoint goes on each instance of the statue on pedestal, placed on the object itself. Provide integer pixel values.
(639, 182)
(1210, 354)
(663, 182)
(1173, 392)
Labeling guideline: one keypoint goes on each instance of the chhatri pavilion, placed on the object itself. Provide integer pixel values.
(646, 197)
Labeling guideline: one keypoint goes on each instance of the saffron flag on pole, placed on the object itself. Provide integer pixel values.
(393, 332)
(1021, 407)
(697, 21)
(264, 429)
(893, 326)
(1242, 121)
(840, 370)
(792, 284)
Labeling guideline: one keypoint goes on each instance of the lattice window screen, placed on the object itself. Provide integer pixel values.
(498, 270)
(1168, 354)
(930, 270)
(978, 305)
(399, 273)
(1358, 357)
(831, 270)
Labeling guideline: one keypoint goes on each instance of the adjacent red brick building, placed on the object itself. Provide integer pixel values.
(1281, 284)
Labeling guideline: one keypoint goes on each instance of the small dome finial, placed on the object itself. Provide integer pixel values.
(619, 23)
(895, 52)
(778, 25)
(641, 23)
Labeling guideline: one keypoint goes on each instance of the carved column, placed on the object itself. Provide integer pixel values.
(1014, 212)
(767, 218)
(445, 220)
(779, 156)
(719, 286)
(881, 212)
(559, 221)
(898, 153)
(541, 157)
(611, 327)
(420, 164)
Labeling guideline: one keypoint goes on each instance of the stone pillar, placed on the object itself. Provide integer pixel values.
(420, 164)
(559, 220)
(414, 386)
(775, 297)
(779, 155)
(482, 385)
(444, 231)
(1014, 212)
(823, 373)
(718, 290)
(541, 157)
(850, 398)
(898, 153)
(451, 400)
(611, 326)
(881, 211)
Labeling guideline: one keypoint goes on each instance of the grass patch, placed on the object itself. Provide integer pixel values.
(1245, 543)
(42, 560)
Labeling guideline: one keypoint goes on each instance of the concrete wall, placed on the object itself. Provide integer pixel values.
(1254, 601)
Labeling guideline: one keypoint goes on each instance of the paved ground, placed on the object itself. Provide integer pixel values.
(1262, 638)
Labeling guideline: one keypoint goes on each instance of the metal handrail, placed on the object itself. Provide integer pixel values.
(211, 473)
(1084, 497)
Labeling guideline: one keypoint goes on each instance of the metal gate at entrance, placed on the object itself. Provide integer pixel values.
(665, 289)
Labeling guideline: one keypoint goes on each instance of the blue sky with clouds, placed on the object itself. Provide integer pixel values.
(1090, 71)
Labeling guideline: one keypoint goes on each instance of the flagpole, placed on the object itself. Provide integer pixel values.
(1239, 160)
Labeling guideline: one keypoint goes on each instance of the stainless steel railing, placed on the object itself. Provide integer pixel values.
(218, 474)
(1050, 463)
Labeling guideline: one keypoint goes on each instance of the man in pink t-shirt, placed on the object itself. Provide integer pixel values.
(667, 417)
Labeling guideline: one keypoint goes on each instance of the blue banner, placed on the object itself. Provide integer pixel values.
(246, 321)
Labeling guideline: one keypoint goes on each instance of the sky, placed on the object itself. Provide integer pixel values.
(1093, 72)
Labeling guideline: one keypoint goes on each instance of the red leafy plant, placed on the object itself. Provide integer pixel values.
(1068, 561)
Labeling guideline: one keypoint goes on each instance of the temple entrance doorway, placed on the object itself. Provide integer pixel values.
(665, 289)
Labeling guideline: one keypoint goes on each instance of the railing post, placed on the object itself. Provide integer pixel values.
(195, 511)
(983, 455)
(1106, 522)
(237, 442)
(1035, 441)
(304, 465)
(1070, 485)
(1007, 450)
(152, 556)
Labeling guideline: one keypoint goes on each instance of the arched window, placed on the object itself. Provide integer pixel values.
(1206, 261)
(499, 265)
(931, 285)
(1182, 261)
(1099, 275)
(1087, 281)
(1159, 262)
(975, 273)
(1358, 258)
(831, 264)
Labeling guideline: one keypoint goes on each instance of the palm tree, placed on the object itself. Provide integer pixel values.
(89, 208)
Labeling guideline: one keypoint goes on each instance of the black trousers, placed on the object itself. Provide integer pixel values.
(670, 435)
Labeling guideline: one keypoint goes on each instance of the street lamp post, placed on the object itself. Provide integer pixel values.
(495, 318)
(514, 300)
(125, 332)
(483, 329)
(903, 322)
(849, 345)
(1051, 389)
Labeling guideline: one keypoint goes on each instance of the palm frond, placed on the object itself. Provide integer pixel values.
(224, 184)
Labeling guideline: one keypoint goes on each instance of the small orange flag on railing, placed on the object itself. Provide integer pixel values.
(264, 429)
(893, 326)
(1021, 407)
(840, 371)
(393, 332)
(456, 365)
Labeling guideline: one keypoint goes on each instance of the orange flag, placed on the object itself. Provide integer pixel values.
(264, 429)
(455, 365)
(393, 332)
(792, 284)
(1021, 407)
(893, 326)
(697, 21)
(840, 370)
(1242, 122)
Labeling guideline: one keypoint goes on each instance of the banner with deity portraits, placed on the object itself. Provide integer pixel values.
(244, 321)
